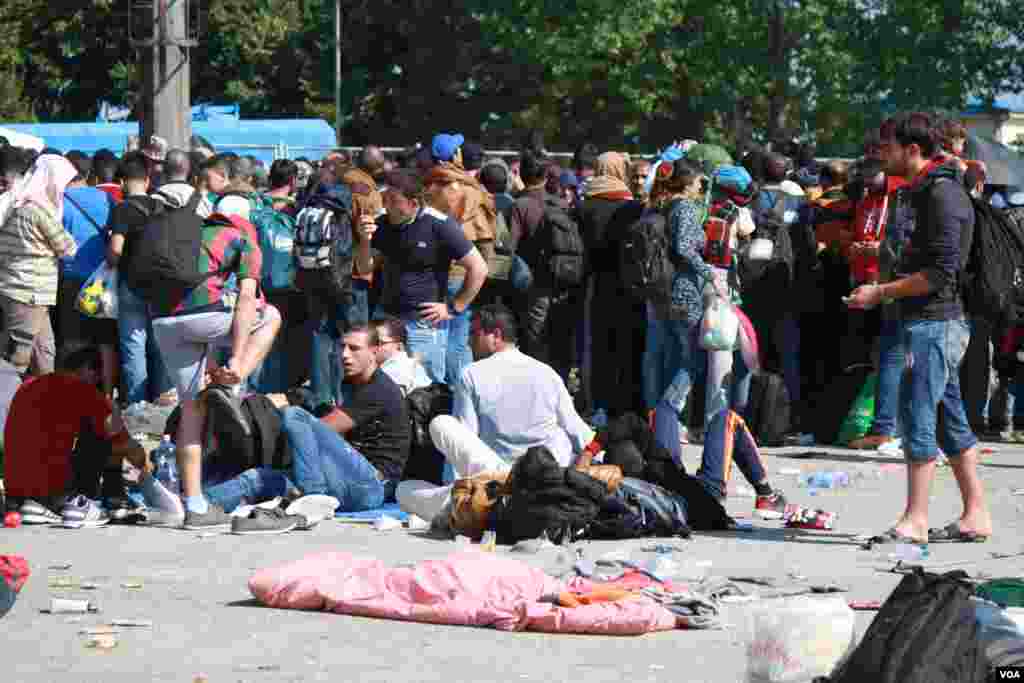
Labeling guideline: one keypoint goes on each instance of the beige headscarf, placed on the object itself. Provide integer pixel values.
(610, 177)
(43, 186)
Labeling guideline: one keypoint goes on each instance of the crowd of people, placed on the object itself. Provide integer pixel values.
(557, 304)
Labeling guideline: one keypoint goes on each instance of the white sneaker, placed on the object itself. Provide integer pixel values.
(315, 508)
(33, 512)
(82, 513)
(894, 447)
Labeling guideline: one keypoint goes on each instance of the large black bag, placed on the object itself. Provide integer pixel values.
(324, 245)
(425, 462)
(766, 282)
(926, 632)
(833, 402)
(164, 263)
(768, 410)
(992, 282)
(645, 261)
(561, 246)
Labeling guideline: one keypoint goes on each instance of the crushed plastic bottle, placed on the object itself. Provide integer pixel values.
(146, 418)
(165, 466)
(825, 480)
(903, 552)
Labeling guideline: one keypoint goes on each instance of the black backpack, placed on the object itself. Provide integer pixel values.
(645, 259)
(323, 246)
(992, 281)
(425, 462)
(767, 279)
(926, 632)
(560, 246)
(544, 498)
(164, 263)
(768, 410)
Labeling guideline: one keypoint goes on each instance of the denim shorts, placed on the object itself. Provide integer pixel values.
(934, 349)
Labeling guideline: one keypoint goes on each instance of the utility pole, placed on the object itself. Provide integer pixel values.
(337, 70)
(167, 105)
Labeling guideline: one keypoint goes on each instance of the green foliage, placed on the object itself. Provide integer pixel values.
(629, 73)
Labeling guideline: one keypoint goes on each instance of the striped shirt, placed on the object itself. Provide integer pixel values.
(31, 242)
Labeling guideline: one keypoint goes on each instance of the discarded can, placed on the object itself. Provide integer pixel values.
(12, 520)
(65, 606)
(102, 642)
(133, 623)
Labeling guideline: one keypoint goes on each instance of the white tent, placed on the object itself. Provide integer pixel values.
(22, 139)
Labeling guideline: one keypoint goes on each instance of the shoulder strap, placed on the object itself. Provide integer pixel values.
(85, 213)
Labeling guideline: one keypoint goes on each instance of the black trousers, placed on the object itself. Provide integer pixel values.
(618, 325)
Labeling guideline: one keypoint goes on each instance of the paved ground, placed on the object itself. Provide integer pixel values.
(194, 590)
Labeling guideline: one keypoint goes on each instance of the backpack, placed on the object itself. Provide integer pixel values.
(561, 246)
(650, 511)
(719, 229)
(324, 244)
(992, 281)
(259, 442)
(645, 258)
(541, 497)
(425, 462)
(164, 265)
(767, 412)
(926, 632)
(763, 275)
(276, 231)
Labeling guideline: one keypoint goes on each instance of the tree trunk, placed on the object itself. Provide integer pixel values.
(779, 60)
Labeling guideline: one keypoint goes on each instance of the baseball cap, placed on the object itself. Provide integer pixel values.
(444, 146)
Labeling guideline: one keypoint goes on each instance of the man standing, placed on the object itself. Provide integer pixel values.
(176, 190)
(935, 332)
(357, 452)
(418, 244)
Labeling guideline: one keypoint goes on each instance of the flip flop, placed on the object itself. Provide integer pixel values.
(894, 536)
(952, 533)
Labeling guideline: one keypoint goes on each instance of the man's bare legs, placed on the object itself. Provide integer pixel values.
(976, 517)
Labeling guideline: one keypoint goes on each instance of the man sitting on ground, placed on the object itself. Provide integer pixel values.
(45, 470)
(357, 452)
(504, 403)
(404, 370)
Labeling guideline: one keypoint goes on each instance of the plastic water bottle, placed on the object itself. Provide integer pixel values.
(903, 552)
(166, 465)
(826, 480)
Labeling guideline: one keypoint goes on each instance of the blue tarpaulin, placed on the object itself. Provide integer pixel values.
(310, 138)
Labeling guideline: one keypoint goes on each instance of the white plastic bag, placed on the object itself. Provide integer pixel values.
(794, 640)
(98, 296)
(720, 326)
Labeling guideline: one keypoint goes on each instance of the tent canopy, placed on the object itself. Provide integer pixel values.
(311, 138)
(20, 139)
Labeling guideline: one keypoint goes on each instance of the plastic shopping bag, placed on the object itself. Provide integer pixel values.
(98, 296)
(720, 325)
(795, 640)
(858, 421)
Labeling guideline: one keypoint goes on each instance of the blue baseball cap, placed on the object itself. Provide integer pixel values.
(444, 146)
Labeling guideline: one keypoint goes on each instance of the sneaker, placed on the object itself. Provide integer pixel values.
(246, 510)
(37, 513)
(313, 509)
(798, 517)
(82, 513)
(893, 447)
(871, 442)
(263, 522)
(772, 506)
(213, 518)
(124, 509)
(1017, 436)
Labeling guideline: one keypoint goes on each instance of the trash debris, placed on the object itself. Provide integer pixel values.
(825, 480)
(89, 586)
(62, 567)
(799, 517)
(1017, 492)
(65, 606)
(146, 418)
(12, 520)
(61, 582)
(489, 542)
(387, 523)
(903, 552)
(131, 585)
(791, 471)
(744, 491)
(132, 623)
(417, 523)
(865, 605)
(98, 631)
(463, 541)
(756, 580)
(795, 574)
(743, 525)
(532, 546)
(103, 642)
(828, 588)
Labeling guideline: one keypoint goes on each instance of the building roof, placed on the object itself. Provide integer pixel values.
(1009, 103)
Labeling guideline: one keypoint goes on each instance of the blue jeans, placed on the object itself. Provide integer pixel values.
(430, 343)
(661, 357)
(891, 362)
(324, 462)
(673, 401)
(140, 359)
(459, 354)
(936, 349)
(326, 373)
(251, 486)
(727, 440)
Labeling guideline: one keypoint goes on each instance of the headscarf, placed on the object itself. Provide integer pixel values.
(610, 179)
(43, 186)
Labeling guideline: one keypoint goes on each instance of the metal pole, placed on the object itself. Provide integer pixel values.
(168, 106)
(337, 70)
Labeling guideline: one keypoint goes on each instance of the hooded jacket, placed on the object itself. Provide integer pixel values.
(940, 243)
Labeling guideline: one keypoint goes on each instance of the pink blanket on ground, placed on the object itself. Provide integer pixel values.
(465, 589)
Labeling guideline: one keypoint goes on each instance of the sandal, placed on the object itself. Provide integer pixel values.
(894, 536)
(952, 533)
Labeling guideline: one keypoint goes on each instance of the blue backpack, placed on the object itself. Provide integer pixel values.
(276, 231)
